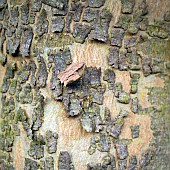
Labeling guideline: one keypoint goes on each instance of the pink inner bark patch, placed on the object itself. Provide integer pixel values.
(71, 73)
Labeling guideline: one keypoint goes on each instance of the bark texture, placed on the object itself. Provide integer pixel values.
(85, 84)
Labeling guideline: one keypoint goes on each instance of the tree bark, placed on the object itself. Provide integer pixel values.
(84, 84)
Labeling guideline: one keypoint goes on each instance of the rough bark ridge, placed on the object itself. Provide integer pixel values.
(84, 84)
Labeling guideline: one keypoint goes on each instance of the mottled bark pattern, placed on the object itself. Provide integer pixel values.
(84, 84)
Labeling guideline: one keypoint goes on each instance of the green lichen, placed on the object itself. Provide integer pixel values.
(155, 48)
(12, 87)
(21, 115)
(124, 97)
(11, 67)
(160, 117)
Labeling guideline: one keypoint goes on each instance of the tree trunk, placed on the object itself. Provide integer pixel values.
(84, 84)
